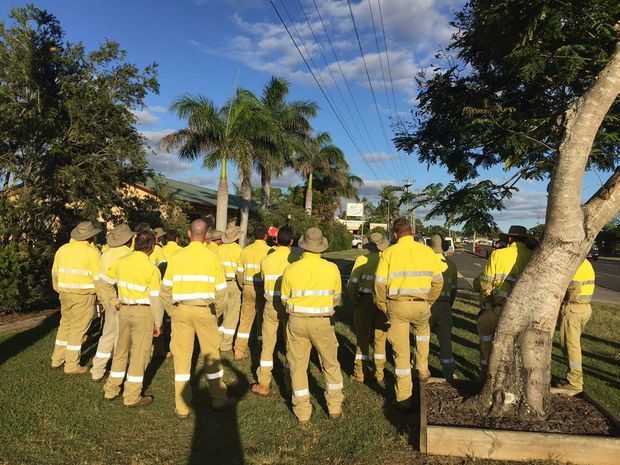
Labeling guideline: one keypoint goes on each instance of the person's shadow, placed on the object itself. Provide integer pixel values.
(216, 438)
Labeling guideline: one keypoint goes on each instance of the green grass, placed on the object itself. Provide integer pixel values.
(351, 254)
(49, 418)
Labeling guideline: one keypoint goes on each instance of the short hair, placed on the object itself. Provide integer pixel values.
(260, 231)
(198, 227)
(285, 235)
(144, 241)
(140, 227)
(401, 225)
(172, 235)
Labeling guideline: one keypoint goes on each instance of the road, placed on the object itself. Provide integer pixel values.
(607, 272)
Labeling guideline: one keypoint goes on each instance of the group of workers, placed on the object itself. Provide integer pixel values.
(213, 290)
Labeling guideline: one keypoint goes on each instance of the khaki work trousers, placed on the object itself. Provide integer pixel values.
(188, 322)
(274, 322)
(252, 305)
(231, 315)
(487, 322)
(368, 319)
(441, 325)
(303, 333)
(402, 314)
(574, 320)
(76, 314)
(107, 343)
(132, 354)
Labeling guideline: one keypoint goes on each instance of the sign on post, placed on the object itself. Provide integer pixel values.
(355, 209)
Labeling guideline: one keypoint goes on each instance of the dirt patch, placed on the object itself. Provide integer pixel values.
(566, 415)
(11, 318)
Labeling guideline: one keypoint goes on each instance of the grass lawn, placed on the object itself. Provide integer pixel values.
(49, 418)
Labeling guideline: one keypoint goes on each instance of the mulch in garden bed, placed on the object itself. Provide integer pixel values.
(565, 414)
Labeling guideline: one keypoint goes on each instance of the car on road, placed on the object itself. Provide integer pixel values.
(447, 246)
(593, 253)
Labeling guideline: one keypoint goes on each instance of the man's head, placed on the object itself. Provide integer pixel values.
(437, 243)
(260, 232)
(402, 228)
(517, 233)
(285, 236)
(145, 242)
(173, 236)
(140, 227)
(197, 230)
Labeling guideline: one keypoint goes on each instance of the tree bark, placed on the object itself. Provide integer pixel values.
(520, 363)
(246, 195)
(221, 215)
(309, 195)
(265, 178)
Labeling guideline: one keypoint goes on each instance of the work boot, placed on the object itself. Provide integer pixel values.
(144, 401)
(57, 365)
(357, 378)
(110, 399)
(305, 422)
(80, 370)
(260, 389)
(424, 377)
(225, 405)
(565, 384)
(103, 377)
(181, 416)
(335, 416)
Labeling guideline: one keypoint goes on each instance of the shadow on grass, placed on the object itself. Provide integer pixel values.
(216, 438)
(16, 344)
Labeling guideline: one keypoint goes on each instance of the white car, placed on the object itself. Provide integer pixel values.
(447, 246)
(356, 243)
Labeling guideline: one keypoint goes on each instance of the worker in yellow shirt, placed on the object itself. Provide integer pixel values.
(441, 311)
(253, 299)
(157, 257)
(499, 275)
(367, 317)
(132, 285)
(212, 240)
(274, 316)
(230, 255)
(575, 313)
(75, 277)
(119, 241)
(172, 246)
(408, 281)
(311, 288)
(194, 295)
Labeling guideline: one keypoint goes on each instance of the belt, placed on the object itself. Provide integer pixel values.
(135, 305)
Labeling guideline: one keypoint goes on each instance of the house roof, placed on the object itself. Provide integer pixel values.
(191, 192)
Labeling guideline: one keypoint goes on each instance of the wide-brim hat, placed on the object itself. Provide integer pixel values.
(120, 235)
(231, 235)
(313, 241)
(379, 240)
(83, 231)
(216, 235)
(437, 243)
(517, 231)
(159, 232)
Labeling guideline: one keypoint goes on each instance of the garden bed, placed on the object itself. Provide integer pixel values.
(577, 429)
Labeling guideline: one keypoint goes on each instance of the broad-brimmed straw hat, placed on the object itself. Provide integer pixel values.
(378, 240)
(120, 235)
(159, 232)
(231, 235)
(437, 243)
(517, 231)
(313, 241)
(83, 231)
(215, 235)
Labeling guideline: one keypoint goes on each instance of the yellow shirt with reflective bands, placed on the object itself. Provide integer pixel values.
(581, 288)
(311, 286)
(502, 270)
(76, 268)
(362, 279)
(157, 257)
(272, 267)
(450, 278)
(251, 256)
(230, 254)
(170, 249)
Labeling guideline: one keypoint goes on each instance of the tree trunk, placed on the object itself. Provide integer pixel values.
(265, 179)
(309, 195)
(221, 217)
(246, 195)
(520, 363)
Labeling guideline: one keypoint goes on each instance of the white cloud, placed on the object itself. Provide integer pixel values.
(378, 157)
(146, 116)
(526, 207)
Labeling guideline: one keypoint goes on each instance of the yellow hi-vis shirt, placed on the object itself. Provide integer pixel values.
(502, 270)
(230, 254)
(212, 246)
(311, 286)
(108, 257)
(137, 281)
(450, 279)
(170, 249)
(581, 288)
(408, 270)
(251, 256)
(194, 276)
(362, 279)
(157, 257)
(272, 267)
(76, 268)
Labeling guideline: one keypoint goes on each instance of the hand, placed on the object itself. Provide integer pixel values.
(156, 331)
(117, 306)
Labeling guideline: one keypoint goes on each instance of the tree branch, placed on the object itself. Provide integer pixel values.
(603, 205)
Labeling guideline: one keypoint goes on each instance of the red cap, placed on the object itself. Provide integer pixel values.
(273, 231)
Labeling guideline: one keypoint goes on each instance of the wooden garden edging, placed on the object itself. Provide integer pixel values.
(517, 445)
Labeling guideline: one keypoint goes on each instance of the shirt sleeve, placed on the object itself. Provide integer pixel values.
(221, 296)
(337, 287)
(437, 280)
(285, 291)
(55, 273)
(165, 293)
(154, 289)
(488, 276)
(353, 283)
(108, 288)
(380, 293)
(95, 269)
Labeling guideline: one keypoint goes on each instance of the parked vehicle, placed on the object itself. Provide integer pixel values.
(447, 246)
(357, 241)
(593, 253)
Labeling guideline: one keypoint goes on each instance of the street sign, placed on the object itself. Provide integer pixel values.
(355, 209)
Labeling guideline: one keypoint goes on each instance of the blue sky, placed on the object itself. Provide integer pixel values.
(201, 46)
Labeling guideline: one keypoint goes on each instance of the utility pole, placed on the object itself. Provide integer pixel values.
(406, 186)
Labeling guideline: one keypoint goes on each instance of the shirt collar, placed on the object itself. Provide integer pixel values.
(406, 239)
(311, 255)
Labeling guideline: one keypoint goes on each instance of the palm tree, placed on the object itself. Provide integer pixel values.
(320, 156)
(293, 119)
